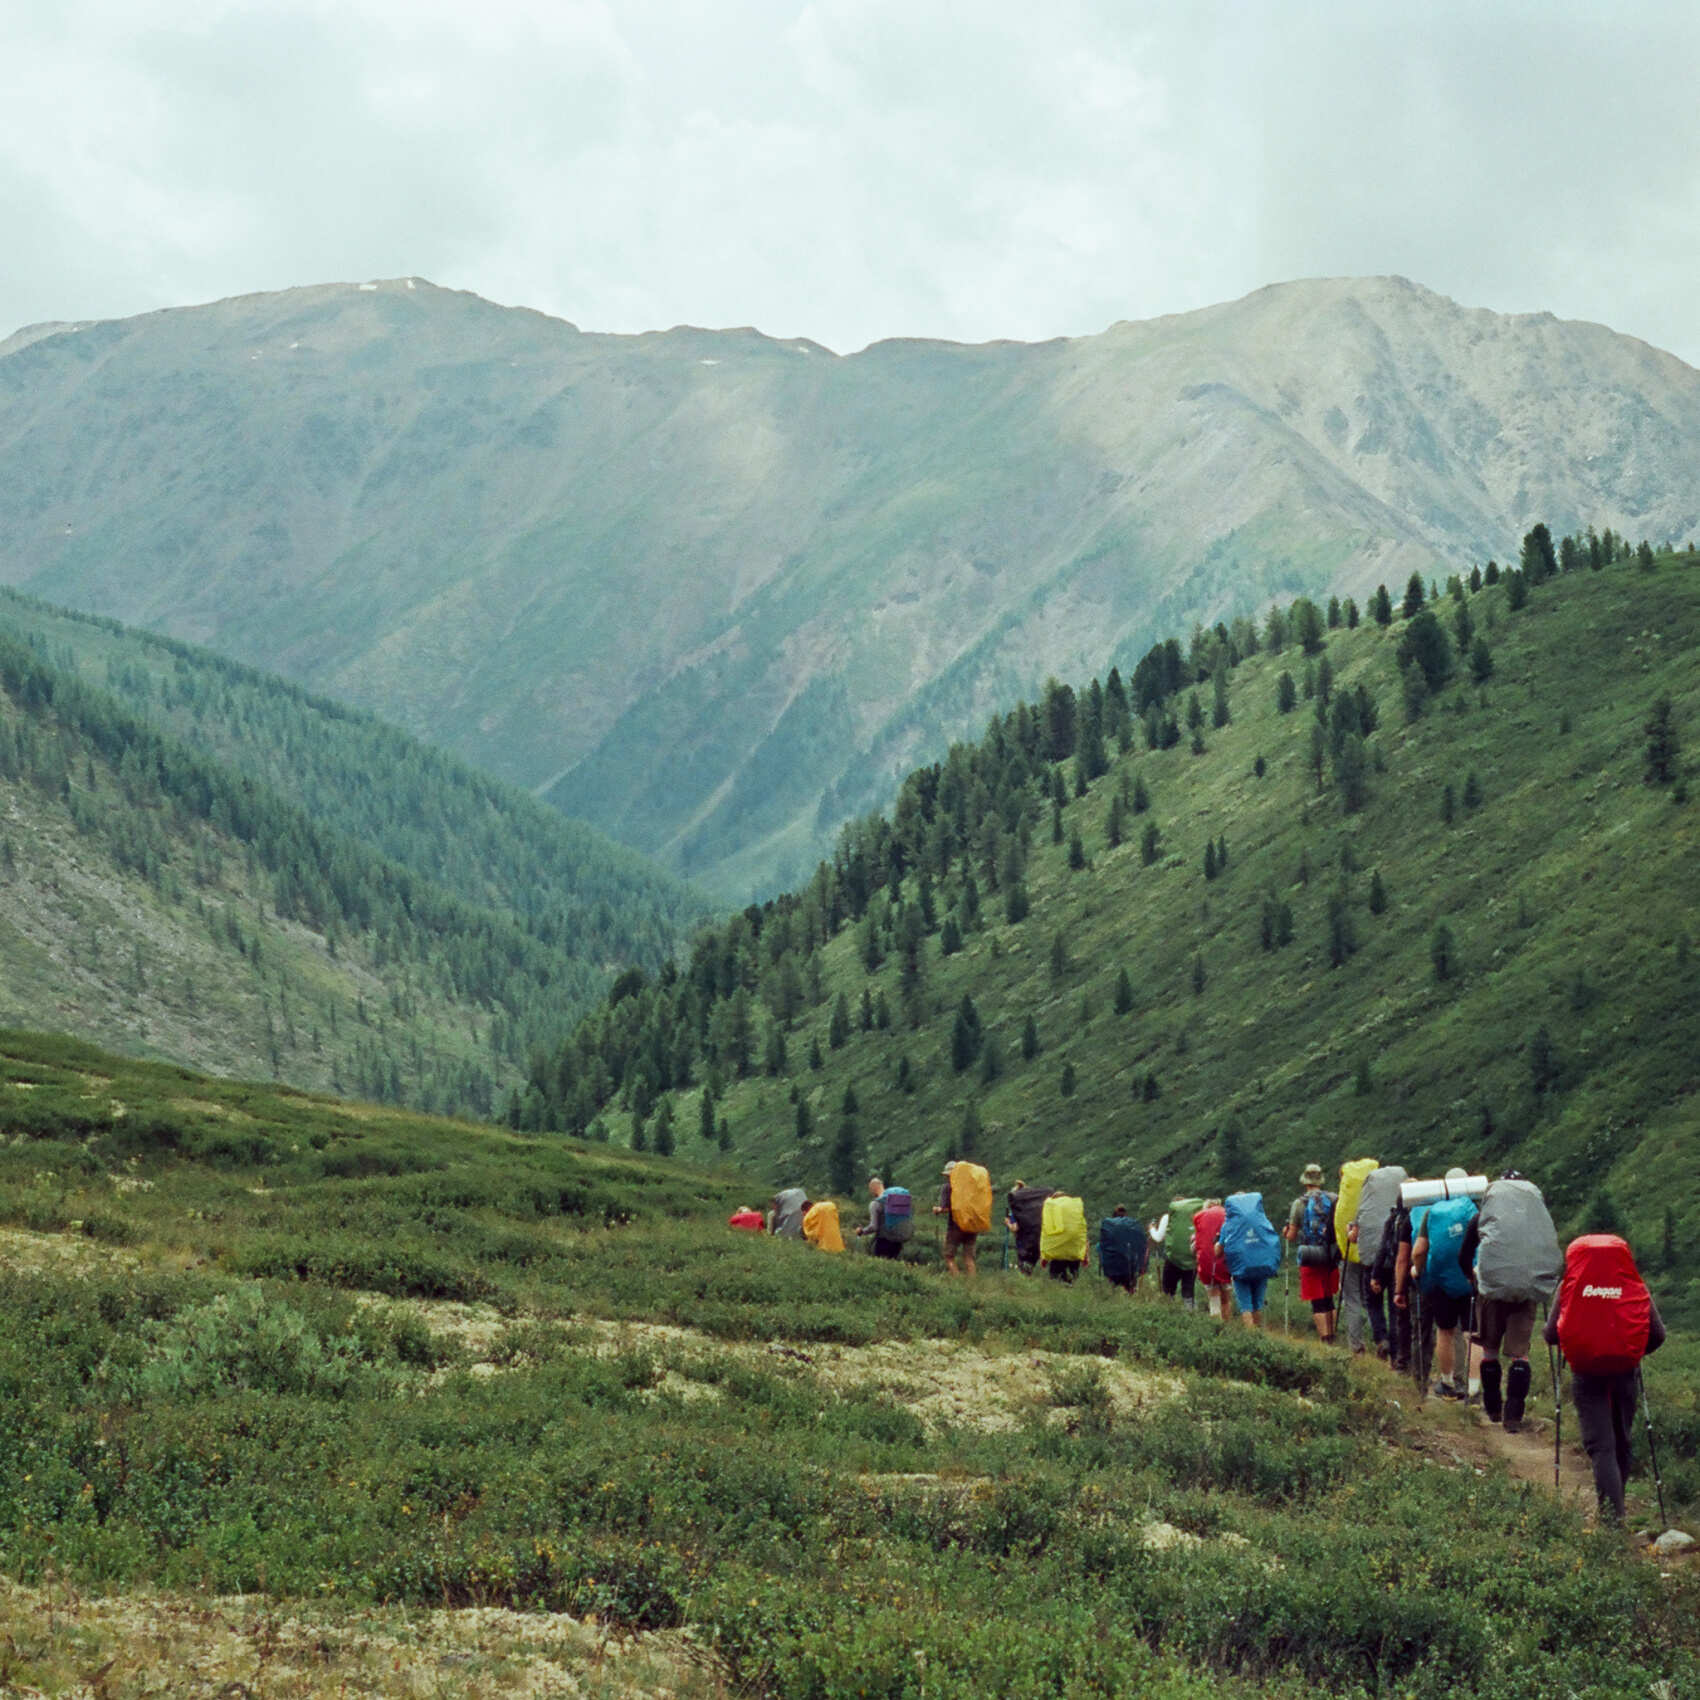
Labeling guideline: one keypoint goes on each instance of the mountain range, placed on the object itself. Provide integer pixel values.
(716, 592)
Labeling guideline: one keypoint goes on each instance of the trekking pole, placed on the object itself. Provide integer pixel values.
(1003, 1265)
(1286, 1291)
(1557, 1415)
(1653, 1451)
(1419, 1359)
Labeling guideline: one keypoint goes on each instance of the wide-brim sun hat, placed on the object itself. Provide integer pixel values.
(947, 1168)
(1312, 1175)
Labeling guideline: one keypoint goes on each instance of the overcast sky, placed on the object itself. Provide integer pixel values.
(852, 169)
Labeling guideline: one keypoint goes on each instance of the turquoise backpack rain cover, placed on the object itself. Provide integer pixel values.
(1445, 1227)
(1250, 1246)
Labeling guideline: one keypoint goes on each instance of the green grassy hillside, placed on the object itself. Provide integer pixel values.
(166, 904)
(380, 1369)
(1490, 959)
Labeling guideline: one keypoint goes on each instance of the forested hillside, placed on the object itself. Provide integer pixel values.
(163, 903)
(1419, 880)
(485, 841)
(717, 592)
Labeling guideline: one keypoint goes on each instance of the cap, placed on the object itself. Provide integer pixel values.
(948, 1167)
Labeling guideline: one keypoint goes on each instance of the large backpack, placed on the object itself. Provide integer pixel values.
(788, 1212)
(1178, 1248)
(1445, 1226)
(820, 1226)
(1352, 1178)
(1605, 1313)
(1316, 1230)
(1250, 1246)
(1518, 1256)
(897, 1214)
(1121, 1248)
(1062, 1233)
(1027, 1211)
(971, 1199)
(1380, 1193)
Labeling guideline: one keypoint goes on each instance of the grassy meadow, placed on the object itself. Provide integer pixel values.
(475, 1412)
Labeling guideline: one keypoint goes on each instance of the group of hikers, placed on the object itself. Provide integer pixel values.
(1440, 1278)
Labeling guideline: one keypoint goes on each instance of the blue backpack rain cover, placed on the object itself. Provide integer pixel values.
(1445, 1227)
(1250, 1246)
(1121, 1248)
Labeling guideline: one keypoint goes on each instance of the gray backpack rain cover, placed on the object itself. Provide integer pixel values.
(788, 1212)
(1380, 1194)
(1518, 1256)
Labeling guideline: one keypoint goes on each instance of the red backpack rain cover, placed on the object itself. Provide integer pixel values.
(1604, 1312)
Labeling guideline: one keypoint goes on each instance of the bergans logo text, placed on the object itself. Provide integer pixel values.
(1602, 1292)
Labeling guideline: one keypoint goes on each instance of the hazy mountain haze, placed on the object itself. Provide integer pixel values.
(714, 590)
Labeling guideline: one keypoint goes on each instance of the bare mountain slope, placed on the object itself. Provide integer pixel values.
(712, 590)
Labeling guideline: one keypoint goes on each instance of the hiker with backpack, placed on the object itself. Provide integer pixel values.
(1446, 1286)
(1062, 1237)
(820, 1226)
(1605, 1323)
(1122, 1249)
(1213, 1273)
(1173, 1232)
(891, 1218)
(1360, 1305)
(1376, 1199)
(1513, 1248)
(1024, 1212)
(785, 1217)
(1246, 1242)
(748, 1219)
(1310, 1228)
(1388, 1275)
(965, 1202)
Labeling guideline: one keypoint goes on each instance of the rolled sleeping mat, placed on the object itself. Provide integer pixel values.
(1431, 1192)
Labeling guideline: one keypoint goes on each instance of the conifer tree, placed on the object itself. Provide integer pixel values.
(1448, 805)
(965, 1035)
(663, 1133)
(1416, 596)
(1440, 950)
(1490, 574)
(1475, 580)
(816, 1060)
(865, 1010)
(1198, 975)
(905, 1073)
(1076, 852)
(1059, 956)
(950, 937)
(1056, 822)
(1067, 1083)
(1150, 844)
(838, 1030)
(1149, 1088)
(1481, 661)
(723, 1137)
(1472, 791)
(1124, 992)
(844, 1165)
(991, 1060)
(1286, 694)
(1342, 936)
(1377, 894)
(882, 1012)
(1029, 1040)
(1334, 614)
(1210, 858)
(1516, 590)
(1016, 903)
(1352, 615)
(1664, 749)
(1141, 797)
(1219, 713)
(1543, 1062)
(1381, 606)
(705, 1116)
(1362, 1082)
(1114, 823)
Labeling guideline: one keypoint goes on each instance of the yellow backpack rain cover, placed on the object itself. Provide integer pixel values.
(1352, 1178)
(971, 1199)
(1062, 1233)
(820, 1226)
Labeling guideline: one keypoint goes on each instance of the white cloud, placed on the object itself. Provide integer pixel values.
(849, 169)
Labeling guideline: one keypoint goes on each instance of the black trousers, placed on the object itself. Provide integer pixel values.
(1176, 1277)
(1605, 1410)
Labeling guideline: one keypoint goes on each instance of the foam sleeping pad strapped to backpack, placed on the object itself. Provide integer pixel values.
(897, 1219)
(1250, 1246)
(1352, 1178)
(1605, 1314)
(1380, 1193)
(1178, 1247)
(1316, 1231)
(1062, 1234)
(1444, 1228)
(820, 1226)
(1518, 1256)
(971, 1199)
(1121, 1248)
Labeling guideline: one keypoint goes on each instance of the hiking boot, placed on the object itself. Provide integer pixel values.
(1516, 1394)
(1491, 1402)
(1445, 1390)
